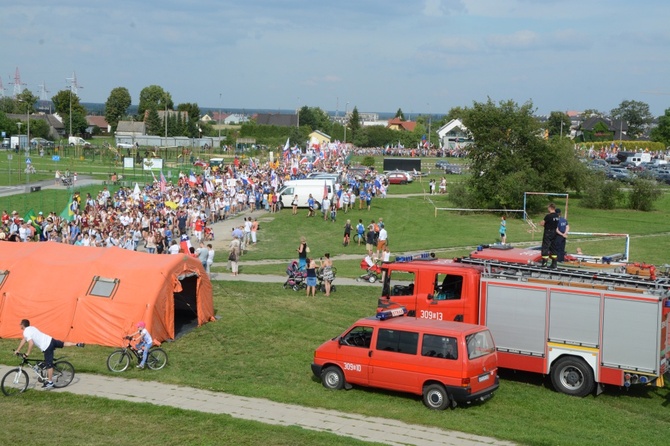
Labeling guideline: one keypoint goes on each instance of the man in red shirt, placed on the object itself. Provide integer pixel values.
(199, 226)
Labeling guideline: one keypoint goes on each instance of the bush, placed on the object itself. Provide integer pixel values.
(368, 161)
(643, 194)
(600, 193)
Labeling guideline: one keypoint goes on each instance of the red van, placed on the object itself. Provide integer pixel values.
(445, 362)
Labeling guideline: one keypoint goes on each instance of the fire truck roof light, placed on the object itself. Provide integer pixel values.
(420, 256)
(388, 314)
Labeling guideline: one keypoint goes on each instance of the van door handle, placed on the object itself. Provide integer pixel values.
(369, 353)
(458, 318)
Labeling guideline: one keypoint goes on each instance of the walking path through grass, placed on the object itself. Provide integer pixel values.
(265, 411)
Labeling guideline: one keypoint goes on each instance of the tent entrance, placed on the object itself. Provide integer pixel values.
(185, 306)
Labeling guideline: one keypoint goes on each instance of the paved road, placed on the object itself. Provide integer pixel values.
(265, 411)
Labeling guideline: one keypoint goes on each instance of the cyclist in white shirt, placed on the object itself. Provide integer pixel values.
(32, 336)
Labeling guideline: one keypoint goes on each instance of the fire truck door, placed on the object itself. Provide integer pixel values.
(447, 298)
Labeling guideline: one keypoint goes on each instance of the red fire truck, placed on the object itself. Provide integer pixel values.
(584, 328)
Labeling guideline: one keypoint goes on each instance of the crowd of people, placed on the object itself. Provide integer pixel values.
(164, 217)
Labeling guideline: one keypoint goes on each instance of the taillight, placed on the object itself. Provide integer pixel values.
(465, 382)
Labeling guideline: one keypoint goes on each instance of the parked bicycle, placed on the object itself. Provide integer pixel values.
(119, 360)
(16, 380)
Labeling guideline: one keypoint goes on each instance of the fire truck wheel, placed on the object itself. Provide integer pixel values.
(332, 378)
(435, 397)
(572, 376)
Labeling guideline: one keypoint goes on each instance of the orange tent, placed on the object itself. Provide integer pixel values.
(97, 295)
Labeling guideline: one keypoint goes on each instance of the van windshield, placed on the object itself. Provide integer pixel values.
(480, 344)
(358, 337)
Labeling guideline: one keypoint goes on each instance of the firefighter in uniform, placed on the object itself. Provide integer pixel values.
(550, 223)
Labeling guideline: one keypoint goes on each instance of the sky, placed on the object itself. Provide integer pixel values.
(422, 56)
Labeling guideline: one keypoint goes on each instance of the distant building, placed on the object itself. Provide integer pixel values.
(131, 128)
(56, 127)
(100, 122)
(235, 119)
(398, 124)
(280, 120)
(454, 133)
(597, 128)
(318, 138)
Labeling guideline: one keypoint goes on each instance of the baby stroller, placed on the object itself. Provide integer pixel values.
(296, 278)
(372, 271)
(66, 181)
(320, 285)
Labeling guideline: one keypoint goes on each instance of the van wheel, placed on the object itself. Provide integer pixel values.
(572, 376)
(435, 397)
(332, 378)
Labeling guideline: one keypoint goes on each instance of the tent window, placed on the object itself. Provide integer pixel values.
(3, 276)
(103, 287)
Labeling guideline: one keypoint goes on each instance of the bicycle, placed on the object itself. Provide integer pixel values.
(119, 360)
(16, 380)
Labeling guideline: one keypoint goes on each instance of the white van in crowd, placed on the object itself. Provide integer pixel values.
(303, 188)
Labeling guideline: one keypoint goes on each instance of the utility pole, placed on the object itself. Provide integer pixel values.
(430, 119)
(346, 108)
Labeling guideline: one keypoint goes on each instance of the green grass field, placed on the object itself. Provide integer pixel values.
(263, 344)
(262, 347)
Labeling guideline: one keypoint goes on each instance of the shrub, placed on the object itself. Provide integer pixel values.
(643, 194)
(600, 193)
(368, 161)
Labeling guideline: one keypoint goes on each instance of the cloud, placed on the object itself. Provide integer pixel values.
(440, 8)
(524, 39)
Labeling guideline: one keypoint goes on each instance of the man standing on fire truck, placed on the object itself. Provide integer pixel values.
(550, 223)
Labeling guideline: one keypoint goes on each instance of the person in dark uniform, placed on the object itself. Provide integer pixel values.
(561, 236)
(550, 223)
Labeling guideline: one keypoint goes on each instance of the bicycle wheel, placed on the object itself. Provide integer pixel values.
(14, 382)
(118, 361)
(157, 359)
(63, 374)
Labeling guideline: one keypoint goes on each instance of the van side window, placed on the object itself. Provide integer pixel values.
(439, 347)
(397, 341)
(480, 344)
(448, 287)
(358, 337)
(398, 283)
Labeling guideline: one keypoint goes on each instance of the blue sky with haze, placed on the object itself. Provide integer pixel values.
(422, 56)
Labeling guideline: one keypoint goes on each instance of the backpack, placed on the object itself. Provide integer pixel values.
(360, 228)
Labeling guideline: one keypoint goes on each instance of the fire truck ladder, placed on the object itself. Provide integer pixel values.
(569, 277)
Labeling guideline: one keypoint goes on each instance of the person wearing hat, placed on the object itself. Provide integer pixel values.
(144, 342)
(561, 236)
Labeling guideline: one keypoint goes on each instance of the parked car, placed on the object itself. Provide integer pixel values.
(598, 164)
(449, 168)
(620, 174)
(77, 141)
(446, 362)
(398, 177)
(40, 142)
